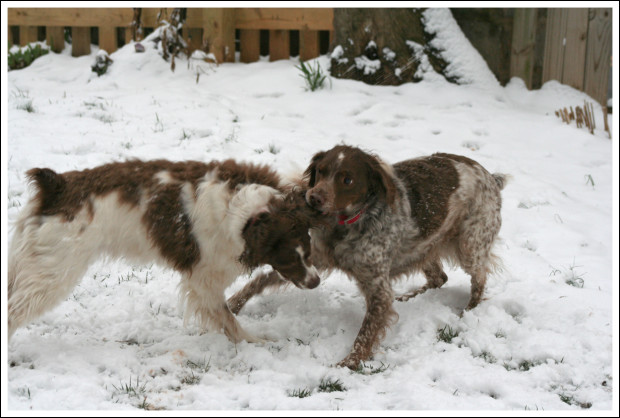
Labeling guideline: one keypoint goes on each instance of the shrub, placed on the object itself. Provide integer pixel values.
(23, 57)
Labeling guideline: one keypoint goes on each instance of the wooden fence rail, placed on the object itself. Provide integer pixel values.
(212, 28)
(576, 47)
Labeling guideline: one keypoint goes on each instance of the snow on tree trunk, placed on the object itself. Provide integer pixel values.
(395, 46)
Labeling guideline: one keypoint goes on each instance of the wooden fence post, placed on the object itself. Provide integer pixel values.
(523, 45)
(308, 44)
(250, 45)
(219, 33)
(576, 36)
(279, 44)
(598, 55)
(108, 38)
(55, 38)
(27, 34)
(566, 31)
(80, 41)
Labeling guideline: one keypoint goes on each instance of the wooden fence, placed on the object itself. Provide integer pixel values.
(213, 29)
(576, 42)
(577, 48)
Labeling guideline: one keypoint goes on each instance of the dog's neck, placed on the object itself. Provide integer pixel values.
(345, 220)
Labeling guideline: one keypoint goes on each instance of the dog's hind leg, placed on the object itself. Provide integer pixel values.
(253, 288)
(435, 278)
(43, 269)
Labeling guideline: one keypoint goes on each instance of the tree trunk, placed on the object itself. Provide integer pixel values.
(382, 46)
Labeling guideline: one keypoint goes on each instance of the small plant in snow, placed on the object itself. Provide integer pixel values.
(273, 149)
(313, 76)
(167, 38)
(159, 126)
(22, 100)
(446, 334)
(330, 385)
(131, 389)
(22, 57)
(300, 393)
(573, 278)
(102, 62)
(589, 180)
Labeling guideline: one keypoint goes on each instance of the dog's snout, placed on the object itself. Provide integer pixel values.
(312, 281)
(316, 200)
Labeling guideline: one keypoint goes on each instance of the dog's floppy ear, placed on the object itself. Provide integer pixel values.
(381, 180)
(310, 173)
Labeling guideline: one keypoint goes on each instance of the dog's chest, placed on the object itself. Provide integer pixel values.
(361, 252)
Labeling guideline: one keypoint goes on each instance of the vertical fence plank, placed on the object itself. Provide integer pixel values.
(55, 38)
(308, 44)
(108, 38)
(576, 35)
(279, 44)
(523, 45)
(554, 45)
(128, 34)
(80, 41)
(598, 55)
(250, 45)
(194, 38)
(27, 34)
(219, 33)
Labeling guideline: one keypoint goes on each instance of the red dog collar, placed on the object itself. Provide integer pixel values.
(342, 219)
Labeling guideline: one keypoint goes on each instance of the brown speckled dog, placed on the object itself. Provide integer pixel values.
(390, 221)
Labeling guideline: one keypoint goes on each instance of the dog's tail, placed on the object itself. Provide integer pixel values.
(51, 185)
(501, 179)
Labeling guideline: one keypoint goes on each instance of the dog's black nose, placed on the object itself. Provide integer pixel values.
(315, 200)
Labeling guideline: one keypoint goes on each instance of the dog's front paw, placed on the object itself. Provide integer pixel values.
(351, 361)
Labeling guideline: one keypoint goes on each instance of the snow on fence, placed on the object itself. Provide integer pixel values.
(214, 28)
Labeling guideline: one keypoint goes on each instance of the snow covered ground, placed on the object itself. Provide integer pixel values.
(542, 339)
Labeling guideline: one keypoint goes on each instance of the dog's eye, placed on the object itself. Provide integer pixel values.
(347, 180)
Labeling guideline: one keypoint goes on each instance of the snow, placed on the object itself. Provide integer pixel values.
(465, 62)
(118, 342)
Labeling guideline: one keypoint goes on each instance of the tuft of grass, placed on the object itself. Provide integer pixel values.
(446, 334)
(589, 180)
(191, 379)
(273, 149)
(526, 365)
(203, 366)
(131, 389)
(488, 357)
(144, 405)
(313, 76)
(159, 126)
(300, 393)
(330, 385)
(574, 278)
(24, 392)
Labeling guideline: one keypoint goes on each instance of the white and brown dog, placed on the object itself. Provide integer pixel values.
(210, 222)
